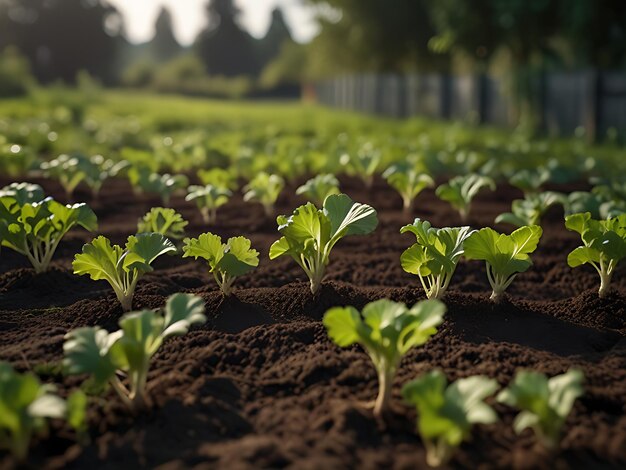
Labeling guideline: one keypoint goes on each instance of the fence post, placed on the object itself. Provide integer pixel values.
(592, 105)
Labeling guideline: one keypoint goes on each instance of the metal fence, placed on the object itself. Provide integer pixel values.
(595, 101)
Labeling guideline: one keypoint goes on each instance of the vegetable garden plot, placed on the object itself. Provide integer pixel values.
(261, 384)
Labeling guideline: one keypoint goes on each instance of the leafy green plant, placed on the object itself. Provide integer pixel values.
(604, 245)
(121, 267)
(265, 189)
(67, 170)
(128, 351)
(447, 413)
(544, 403)
(317, 189)
(23, 193)
(409, 181)
(583, 201)
(461, 190)
(36, 229)
(208, 198)
(226, 261)
(165, 221)
(528, 211)
(387, 331)
(530, 181)
(364, 162)
(165, 185)
(25, 407)
(16, 160)
(309, 234)
(435, 255)
(218, 177)
(98, 169)
(505, 256)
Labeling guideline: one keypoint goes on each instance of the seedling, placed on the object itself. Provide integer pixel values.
(505, 256)
(409, 181)
(23, 193)
(447, 413)
(121, 267)
(35, 229)
(435, 255)
(461, 190)
(604, 245)
(309, 234)
(165, 185)
(529, 211)
(219, 178)
(208, 198)
(317, 189)
(387, 331)
(98, 169)
(226, 261)
(364, 163)
(544, 403)
(165, 221)
(128, 351)
(67, 171)
(265, 189)
(530, 181)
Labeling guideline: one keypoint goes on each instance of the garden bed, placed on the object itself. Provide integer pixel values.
(261, 385)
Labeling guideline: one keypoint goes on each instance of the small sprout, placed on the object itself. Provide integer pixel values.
(98, 169)
(121, 267)
(364, 163)
(447, 413)
(67, 170)
(505, 255)
(460, 191)
(226, 261)
(409, 181)
(530, 181)
(219, 178)
(25, 406)
(36, 229)
(309, 234)
(604, 245)
(387, 331)
(435, 255)
(544, 403)
(265, 189)
(165, 221)
(528, 211)
(579, 202)
(23, 193)
(208, 198)
(165, 185)
(128, 351)
(317, 189)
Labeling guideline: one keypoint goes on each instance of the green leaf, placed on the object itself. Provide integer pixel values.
(182, 311)
(99, 259)
(348, 217)
(143, 249)
(239, 258)
(165, 221)
(341, 324)
(317, 189)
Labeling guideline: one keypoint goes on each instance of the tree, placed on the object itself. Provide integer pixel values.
(277, 35)
(164, 45)
(224, 47)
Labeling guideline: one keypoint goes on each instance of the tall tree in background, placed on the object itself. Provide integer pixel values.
(277, 35)
(62, 37)
(224, 47)
(164, 45)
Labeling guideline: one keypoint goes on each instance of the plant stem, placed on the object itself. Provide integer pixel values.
(438, 452)
(385, 381)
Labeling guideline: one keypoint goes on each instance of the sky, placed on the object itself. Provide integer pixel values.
(189, 17)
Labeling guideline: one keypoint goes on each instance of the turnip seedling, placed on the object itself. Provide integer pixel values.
(409, 181)
(387, 331)
(226, 261)
(364, 163)
(435, 255)
(104, 355)
(461, 190)
(265, 189)
(544, 403)
(604, 245)
(309, 234)
(447, 413)
(505, 256)
(67, 171)
(218, 177)
(530, 181)
(121, 267)
(317, 189)
(528, 211)
(208, 198)
(165, 221)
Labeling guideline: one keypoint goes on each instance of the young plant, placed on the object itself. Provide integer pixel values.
(528, 211)
(23, 193)
(219, 178)
(505, 256)
(165, 185)
(265, 189)
(409, 181)
(25, 407)
(460, 191)
(35, 229)
(309, 234)
(364, 163)
(165, 221)
(128, 351)
(435, 255)
(544, 403)
(208, 198)
(604, 245)
(580, 202)
(387, 331)
(447, 413)
(530, 181)
(121, 267)
(98, 169)
(67, 171)
(317, 189)
(226, 261)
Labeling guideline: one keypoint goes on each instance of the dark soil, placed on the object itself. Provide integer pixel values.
(261, 385)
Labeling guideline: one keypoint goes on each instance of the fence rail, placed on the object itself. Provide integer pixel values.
(593, 100)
